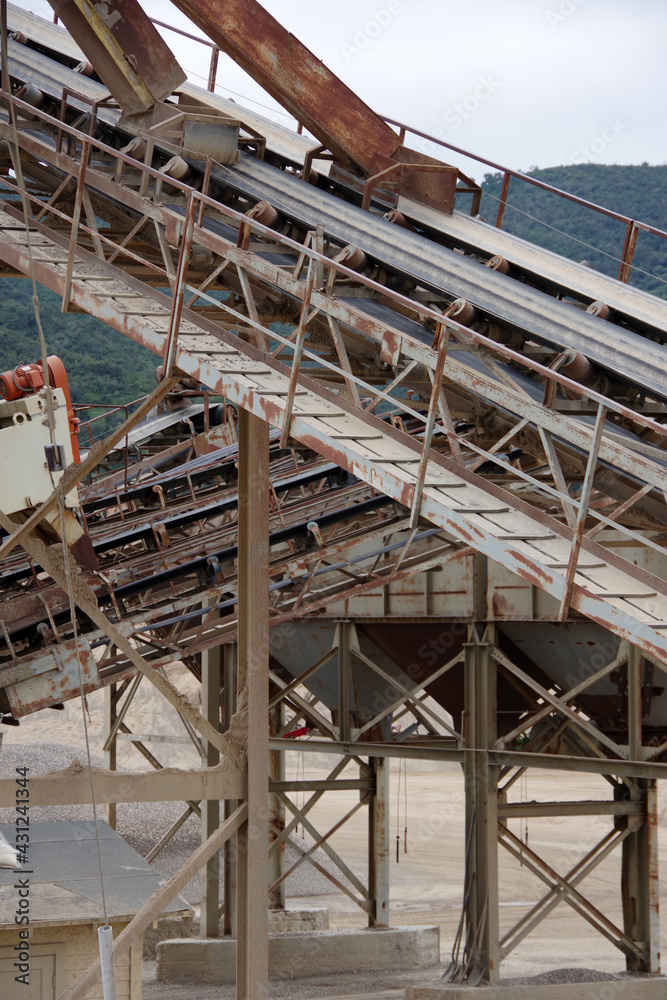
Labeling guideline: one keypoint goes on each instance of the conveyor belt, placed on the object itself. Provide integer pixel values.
(637, 307)
(538, 315)
(608, 589)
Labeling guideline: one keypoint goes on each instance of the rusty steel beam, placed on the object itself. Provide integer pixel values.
(296, 78)
(127, 51)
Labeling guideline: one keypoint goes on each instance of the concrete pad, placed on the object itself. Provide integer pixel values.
(280, 922)
(294, 956)
(298, 921)
(613, 989)
(167, 928)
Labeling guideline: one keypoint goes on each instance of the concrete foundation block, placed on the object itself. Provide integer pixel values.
(280, 922)
(294, 956)
(298, 921)
(614, 989)
(167, 928)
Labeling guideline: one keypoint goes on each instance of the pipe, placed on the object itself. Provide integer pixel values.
(105, 941)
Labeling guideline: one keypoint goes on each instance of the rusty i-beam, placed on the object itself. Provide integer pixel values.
(139, 69)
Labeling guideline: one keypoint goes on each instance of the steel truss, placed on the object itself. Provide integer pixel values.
(409, 359)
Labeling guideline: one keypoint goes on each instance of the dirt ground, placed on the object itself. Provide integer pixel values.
(426, 882)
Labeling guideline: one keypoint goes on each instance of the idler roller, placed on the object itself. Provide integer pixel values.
(313, 178)
(18, 36)
(136, 148)
(352, 257)
(264, 213)
(398, 219)
(84, 68)
(31, 95)
(462, 312)
(178, 169)
(599, 308)
(577, 367)
(498, 264)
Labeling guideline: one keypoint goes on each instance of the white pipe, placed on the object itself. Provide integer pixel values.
(105, 935)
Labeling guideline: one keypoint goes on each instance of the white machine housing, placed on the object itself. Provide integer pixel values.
(25, 481)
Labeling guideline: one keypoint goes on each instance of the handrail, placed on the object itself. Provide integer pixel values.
(633, 225)
(197, 204)
(309, 252)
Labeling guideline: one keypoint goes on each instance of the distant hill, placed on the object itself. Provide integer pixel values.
(554, 223)
(103, 366)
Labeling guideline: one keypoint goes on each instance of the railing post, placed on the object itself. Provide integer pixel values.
(213, 71)
(171, 342)
(503, 200)
(76, 219)
(629, 246)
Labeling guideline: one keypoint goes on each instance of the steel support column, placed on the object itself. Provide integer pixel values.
(276, 814)
(230, 850)
(252, 950)
(344, 680)
(210, 810)
(481, 794)
(378, 844)
(639, 875)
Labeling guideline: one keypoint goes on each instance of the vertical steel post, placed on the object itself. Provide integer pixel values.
(230, 850)
(502, 204)
(110, 755)
(210, 810)
(481, 794)
(640, 884)
(277, 813)
(378, 844)
(213, 69)
(639, 872)
(252, 941)
(344, 665)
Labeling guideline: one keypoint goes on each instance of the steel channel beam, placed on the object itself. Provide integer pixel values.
(541, 761)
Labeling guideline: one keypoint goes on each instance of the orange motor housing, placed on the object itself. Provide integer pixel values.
(25, 380)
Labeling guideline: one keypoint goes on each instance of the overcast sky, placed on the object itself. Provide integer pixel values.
(520, 82)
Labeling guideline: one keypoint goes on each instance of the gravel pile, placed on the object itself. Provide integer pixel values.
(573, 976)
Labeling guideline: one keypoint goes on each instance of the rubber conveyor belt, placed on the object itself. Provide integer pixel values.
(538, 315)
(608, 589)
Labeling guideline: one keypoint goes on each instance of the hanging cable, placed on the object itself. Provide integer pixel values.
(398, 812)
(15, 153)
(106, 947)
(575, 239)
(405, 803)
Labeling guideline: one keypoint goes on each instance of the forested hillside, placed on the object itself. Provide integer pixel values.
(103, 366)
(639, 192)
